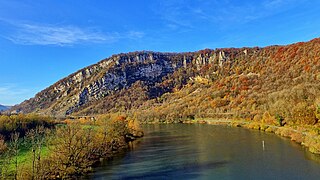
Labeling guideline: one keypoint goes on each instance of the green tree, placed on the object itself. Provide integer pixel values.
(279, 119)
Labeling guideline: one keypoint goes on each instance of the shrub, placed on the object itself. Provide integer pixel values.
(3, 145)
(279, 119)
(267, 118)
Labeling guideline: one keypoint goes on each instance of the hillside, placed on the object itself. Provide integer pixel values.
(281, 82)
(3, 108)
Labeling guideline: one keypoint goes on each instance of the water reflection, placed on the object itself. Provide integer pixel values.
(182, 151)
(177, 172)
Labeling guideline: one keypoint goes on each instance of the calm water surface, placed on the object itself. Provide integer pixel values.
(182, 151)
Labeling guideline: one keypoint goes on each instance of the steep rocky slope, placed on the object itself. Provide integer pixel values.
(105, 78)
(238, 82)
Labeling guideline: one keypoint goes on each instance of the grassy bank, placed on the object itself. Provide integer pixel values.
(24, 160)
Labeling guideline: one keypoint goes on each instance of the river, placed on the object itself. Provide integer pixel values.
(200, 151)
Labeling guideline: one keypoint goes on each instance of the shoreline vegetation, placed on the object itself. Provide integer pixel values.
(37, 147)
(67, 149)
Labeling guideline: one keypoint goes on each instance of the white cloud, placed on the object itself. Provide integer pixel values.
(7, 90)
(180, 14)
(274, 3)
(31, 34)
(175, 13)
(135, 35)
(10, 94)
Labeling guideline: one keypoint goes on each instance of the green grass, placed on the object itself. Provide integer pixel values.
(24, 157)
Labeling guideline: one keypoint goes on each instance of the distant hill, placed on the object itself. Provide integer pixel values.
(254, 83)
(3, 108)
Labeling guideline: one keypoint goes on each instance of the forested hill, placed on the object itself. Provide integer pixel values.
(274, 81)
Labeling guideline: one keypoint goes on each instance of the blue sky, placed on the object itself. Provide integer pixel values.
(44, 41)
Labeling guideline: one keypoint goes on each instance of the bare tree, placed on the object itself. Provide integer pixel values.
(37, 139)
(6, 158)
(14, 148)
(73, 147)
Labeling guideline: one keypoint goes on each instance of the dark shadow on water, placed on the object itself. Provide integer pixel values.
(184, 171)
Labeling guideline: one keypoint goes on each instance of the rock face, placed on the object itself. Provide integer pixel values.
(111, 75)
(125, 70)
(153, 72)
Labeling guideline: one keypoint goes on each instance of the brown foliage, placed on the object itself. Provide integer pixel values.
(22, 123)
(75, 148)
(3, 145)
(236, 82)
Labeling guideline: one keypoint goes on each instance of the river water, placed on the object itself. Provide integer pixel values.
(199, 151)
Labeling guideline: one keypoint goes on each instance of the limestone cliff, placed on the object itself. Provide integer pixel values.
(128, 80)
(111, 75)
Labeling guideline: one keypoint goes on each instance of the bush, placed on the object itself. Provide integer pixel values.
(3, 145)
(267, 118)
(280, 119)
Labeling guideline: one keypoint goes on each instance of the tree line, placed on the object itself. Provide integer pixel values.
(67, 150)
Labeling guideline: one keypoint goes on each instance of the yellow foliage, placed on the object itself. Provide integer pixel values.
(201, 80)
(267, 118)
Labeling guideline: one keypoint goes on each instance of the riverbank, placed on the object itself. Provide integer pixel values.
(68, 151)
(307, 136)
